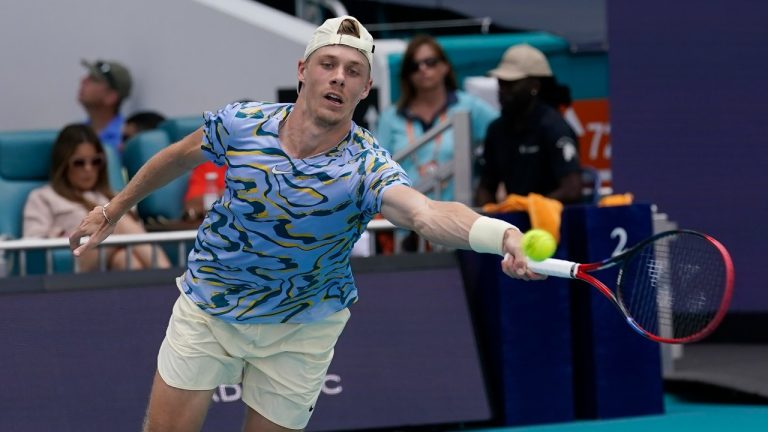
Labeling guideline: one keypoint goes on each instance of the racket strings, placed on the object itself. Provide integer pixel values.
(673, 287)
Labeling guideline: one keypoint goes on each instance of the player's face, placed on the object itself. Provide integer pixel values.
(335, 78)
(84, 166)
(93, 91)
(428, 69)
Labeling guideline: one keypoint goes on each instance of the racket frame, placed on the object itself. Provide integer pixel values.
(573, 270)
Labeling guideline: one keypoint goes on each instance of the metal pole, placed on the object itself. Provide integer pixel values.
(462, 158)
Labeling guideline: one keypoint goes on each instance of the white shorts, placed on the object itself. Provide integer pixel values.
(281, 366)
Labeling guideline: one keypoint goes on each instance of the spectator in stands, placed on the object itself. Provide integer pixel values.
(194, 202)
(102, 90)
(530, 148)
(140, 122)
(429, 94)
(78, 182)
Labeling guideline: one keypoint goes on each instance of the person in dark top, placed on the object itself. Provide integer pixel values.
(530, 148)
(102, 92)
(139, 122)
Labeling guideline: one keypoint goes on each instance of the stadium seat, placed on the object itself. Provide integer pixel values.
(166, 202)
(22, 168)
(178, 128)
(24, 165)
(115, 170)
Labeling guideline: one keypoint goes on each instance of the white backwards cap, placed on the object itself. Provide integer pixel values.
(328, 34)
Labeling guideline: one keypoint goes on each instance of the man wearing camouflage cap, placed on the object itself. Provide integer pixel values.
(102, 90)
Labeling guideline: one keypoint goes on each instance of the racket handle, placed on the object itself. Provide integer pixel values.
(553, 267)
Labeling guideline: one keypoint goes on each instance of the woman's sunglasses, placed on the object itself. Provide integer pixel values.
(95, 162)
(428, 62)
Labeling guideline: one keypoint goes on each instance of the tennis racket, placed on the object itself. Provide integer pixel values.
(674, 287)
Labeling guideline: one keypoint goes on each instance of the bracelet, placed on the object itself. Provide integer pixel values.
(104, 213)
(190, 214)
(487, 235)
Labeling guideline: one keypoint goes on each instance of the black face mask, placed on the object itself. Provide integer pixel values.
(517, 106)
(516, 98)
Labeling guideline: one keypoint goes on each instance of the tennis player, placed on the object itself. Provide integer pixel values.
(268, 284)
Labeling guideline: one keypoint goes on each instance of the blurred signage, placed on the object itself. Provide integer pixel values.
(84, 359)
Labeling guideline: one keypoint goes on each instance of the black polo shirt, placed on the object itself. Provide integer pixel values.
(532, 159)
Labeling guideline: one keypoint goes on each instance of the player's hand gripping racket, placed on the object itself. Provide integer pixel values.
(674, 287)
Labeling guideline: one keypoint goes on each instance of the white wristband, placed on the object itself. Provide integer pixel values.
(487, 235)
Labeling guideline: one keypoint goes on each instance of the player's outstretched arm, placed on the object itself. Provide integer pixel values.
(163, 167)
(455, 225)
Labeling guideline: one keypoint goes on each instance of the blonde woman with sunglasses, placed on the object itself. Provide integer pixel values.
(429, 95)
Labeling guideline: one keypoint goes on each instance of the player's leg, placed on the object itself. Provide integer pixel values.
(286, 373)
(255, 422)
(172, 409)
(191, 364)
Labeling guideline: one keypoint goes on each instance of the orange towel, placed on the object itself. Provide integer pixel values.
(545, 213)
(616, 200)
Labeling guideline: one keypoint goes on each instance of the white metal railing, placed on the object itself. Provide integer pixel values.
(22, 246)
(460, 170)
(483, 22)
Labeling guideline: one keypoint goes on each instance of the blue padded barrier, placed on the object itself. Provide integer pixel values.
(619, 371)
(525, 334)
(557, 350)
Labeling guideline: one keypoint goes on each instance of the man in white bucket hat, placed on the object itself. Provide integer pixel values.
(530, 148)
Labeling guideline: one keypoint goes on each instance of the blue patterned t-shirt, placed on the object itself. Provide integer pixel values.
(276, 246)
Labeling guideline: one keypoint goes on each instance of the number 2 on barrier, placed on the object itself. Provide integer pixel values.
(674, 287)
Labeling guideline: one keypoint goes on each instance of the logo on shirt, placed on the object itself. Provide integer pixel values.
(568, 147)
(277, 170)
(523, 149)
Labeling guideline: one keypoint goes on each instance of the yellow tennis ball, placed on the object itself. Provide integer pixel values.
(538, 244)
